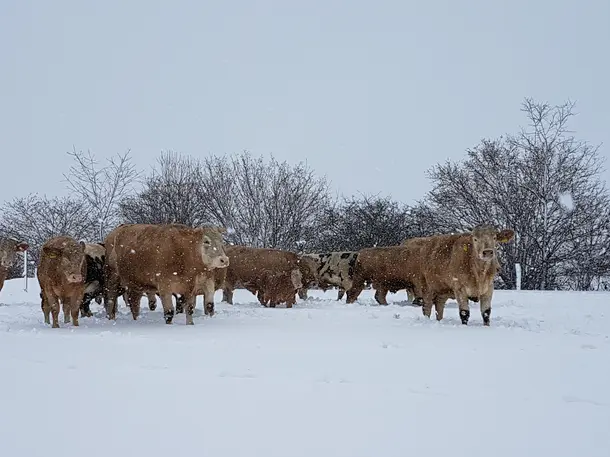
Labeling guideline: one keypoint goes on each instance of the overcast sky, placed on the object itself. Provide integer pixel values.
(370, 93)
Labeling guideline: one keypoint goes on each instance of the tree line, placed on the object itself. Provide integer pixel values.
(541, 181)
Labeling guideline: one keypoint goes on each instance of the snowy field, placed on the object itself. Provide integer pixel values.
(321, 379)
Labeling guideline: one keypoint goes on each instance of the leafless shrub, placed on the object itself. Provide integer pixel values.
(102, 188)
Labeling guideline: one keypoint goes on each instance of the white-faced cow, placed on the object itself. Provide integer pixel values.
(166, 258)
(61, 274)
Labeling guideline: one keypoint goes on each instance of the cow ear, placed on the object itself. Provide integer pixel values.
(505, 236)
(82, 246)
(21, 247)
(51, 252)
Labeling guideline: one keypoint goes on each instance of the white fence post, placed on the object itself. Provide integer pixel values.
(518, 275)
(25, 269)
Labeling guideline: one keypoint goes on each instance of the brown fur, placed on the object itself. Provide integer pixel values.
(166, 258)
(8, 249)
(280, 287)
(452, 267)
(219, 275)
(247, 267)
(61, 273)
(389, 268)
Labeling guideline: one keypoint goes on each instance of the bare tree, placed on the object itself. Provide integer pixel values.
(36, 219)
(521, 182)
(265, 203)
(367, 221)
(102, 188)
(170, 194)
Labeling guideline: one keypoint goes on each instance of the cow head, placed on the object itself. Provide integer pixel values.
(308, 264)
(485, 239)
(70, 256)
(8, 248)
(212, 251)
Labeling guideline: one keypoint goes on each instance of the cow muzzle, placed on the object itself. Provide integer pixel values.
(487, 254)
(222, 261)
(72, 278)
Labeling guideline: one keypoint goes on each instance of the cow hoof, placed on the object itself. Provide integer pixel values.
(464, 316)
(486, 316)
(169, 316)
(179, 310)
(152, 307)
(55, 326)
(209, 310)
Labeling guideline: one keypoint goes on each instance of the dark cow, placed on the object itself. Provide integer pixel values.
(279, 287)
(8, 248)
(95, 254)
(167, 258)
(61, 274)
(247, 267)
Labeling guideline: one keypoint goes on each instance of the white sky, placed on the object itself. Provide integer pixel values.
(370, 93)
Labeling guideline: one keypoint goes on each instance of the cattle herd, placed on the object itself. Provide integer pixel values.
(177, 262)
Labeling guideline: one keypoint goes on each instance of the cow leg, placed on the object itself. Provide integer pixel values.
(341, 293)
(53, 305)
(46, 308)
(291, 302)
(410, 295)
(168, 306)
(428, 302)
(227, 293)
(133, 299)
(152, 300)
(111, 292)
(354, 291)
(179, 303)
(189, 304)
(486, 308)
(260, 295)
(208, 296)
(85, 309)
(462, 300)
(303, 293)
(380, 295)
(74, 303)
(65, 307)
(439, 306)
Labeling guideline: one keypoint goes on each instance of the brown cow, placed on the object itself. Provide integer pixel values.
(280, 287)
(416, 243)
(167, 258)
(8, 248)
(388, 268)
(203, 282)
(247, 265)
(61, 273)
(462, 266)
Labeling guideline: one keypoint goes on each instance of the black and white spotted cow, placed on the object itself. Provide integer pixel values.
(95, 255)
(334, 269)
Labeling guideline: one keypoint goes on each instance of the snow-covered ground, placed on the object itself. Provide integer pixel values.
(321, 379)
